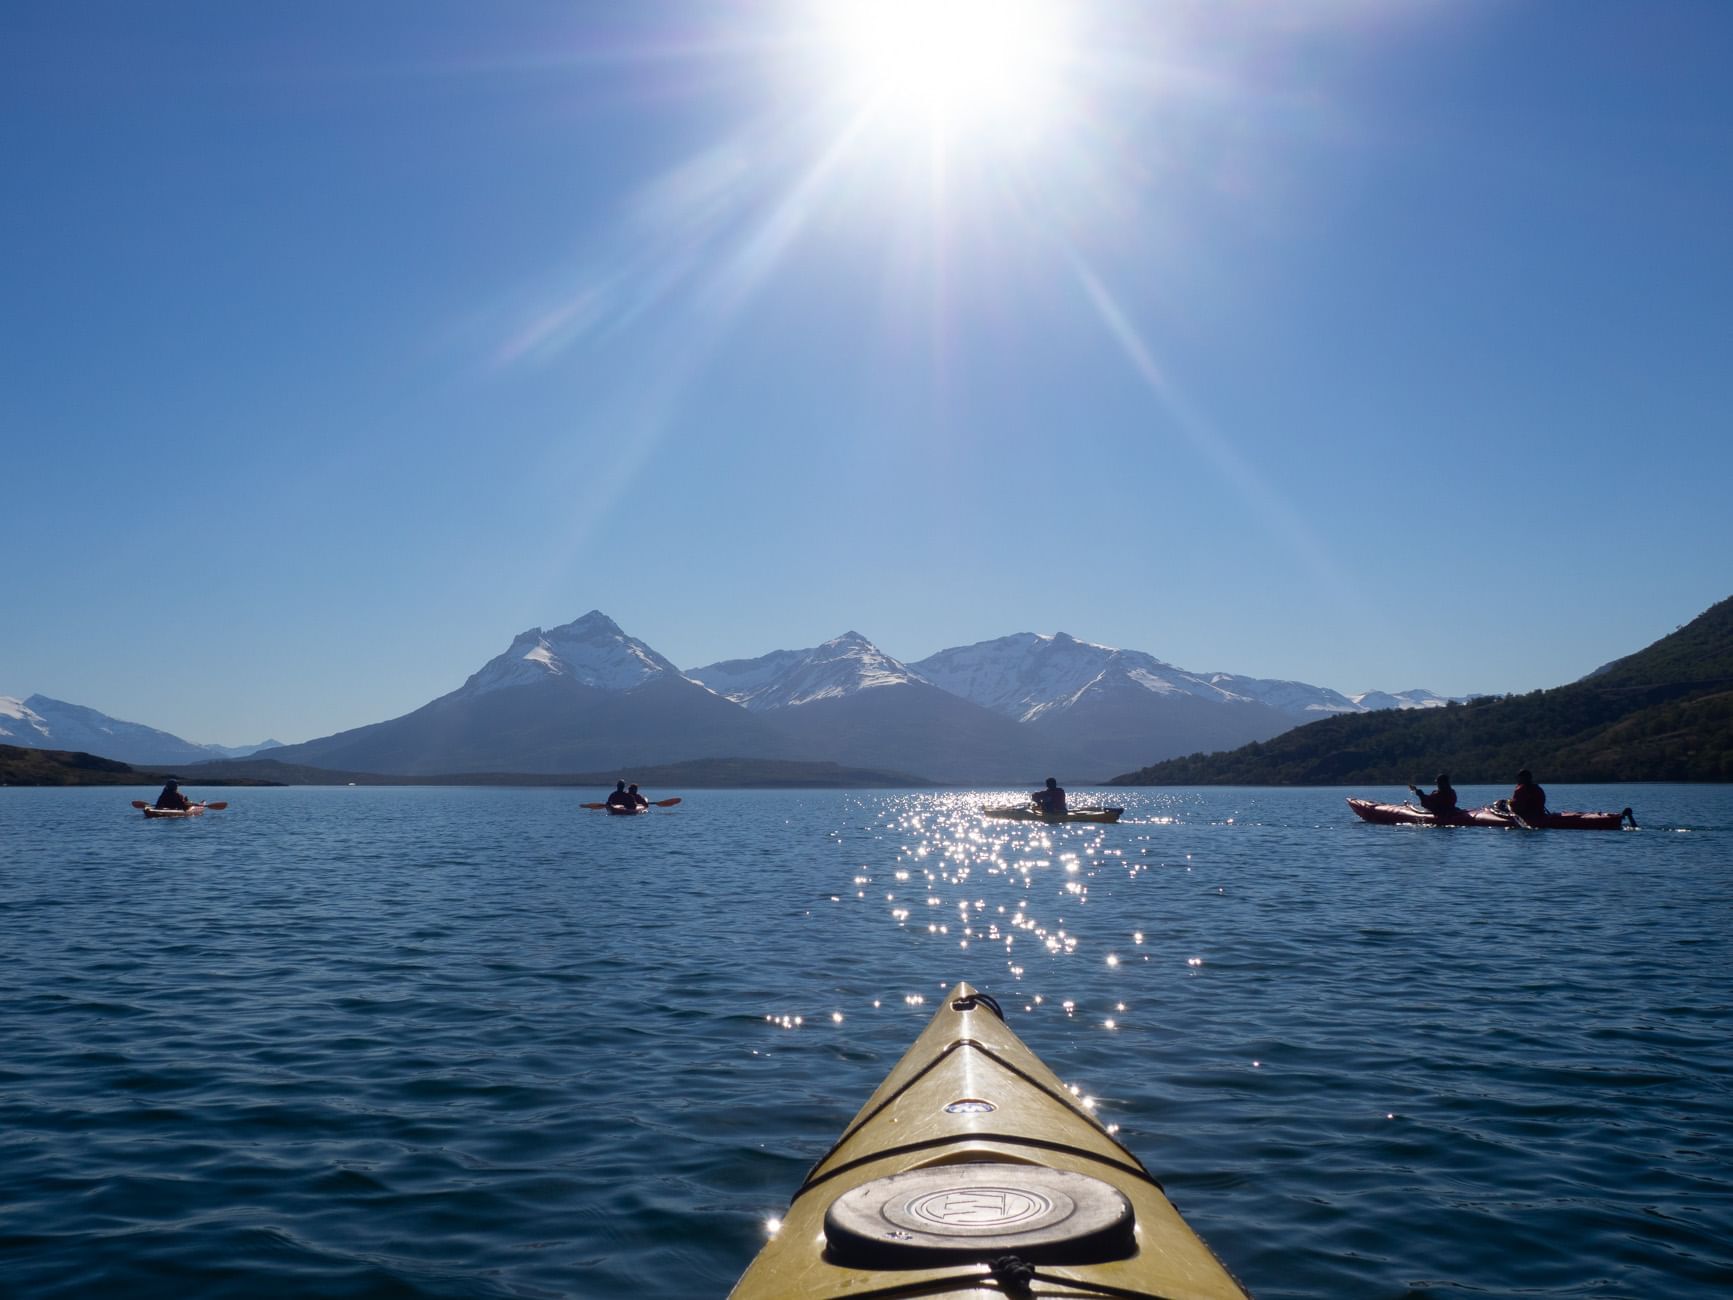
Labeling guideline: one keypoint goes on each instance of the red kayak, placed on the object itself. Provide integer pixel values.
(1395, 814)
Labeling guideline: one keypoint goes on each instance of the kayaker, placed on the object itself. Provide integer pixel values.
(638, 800)
(620, 799)
(1050, 802)
(171, 797)
(1528, 800)
(1440, 801)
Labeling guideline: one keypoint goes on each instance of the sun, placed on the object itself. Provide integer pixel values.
(951, 67)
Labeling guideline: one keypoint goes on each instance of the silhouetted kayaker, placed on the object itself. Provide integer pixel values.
(1442, 800)
(620, 799)
(1050, 801)
(638, 800)
(171, 797)
(1528, 800)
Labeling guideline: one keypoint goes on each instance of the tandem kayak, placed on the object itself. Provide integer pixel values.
(1024, 813)
(974, 1171)
(1391, 814)
(616, 811)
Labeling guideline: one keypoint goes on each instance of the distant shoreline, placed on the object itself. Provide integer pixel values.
(21, 766)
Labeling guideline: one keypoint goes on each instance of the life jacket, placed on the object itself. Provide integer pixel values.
(1441, 800)
(1528, 801)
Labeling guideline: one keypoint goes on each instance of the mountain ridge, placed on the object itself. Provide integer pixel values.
(42, 722)
(1663, 713)
(586, 695)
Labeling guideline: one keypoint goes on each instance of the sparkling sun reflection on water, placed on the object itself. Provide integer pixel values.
(1016, 905)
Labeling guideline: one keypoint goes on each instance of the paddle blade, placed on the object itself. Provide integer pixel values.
(221, 804)
(139, 803)
(667, 803)
(592, 805)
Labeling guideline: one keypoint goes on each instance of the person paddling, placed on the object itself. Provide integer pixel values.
(638, 800)
(1528, 800)
(620, 799)
(171, 797)
(1050, 802)
(1442, 801)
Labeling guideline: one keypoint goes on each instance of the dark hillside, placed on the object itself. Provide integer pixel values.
(1701, 651)
(22, 766)
(1662, 714)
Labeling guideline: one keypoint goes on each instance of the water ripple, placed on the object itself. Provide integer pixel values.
(467, 1043)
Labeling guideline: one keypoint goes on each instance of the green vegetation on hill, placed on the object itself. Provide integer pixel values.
(1662, 714)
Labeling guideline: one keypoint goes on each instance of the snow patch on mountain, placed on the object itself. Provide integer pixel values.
(1297, 699)
(1308, 702)
(20, 724)
(1370, 701)
(743, 680)
(40, 722)
(1027, 675)
(784, 679)
(590, 651)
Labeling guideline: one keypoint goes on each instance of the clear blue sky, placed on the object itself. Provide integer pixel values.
(1370, 344)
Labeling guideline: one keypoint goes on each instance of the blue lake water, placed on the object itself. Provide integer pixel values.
(482, 1043)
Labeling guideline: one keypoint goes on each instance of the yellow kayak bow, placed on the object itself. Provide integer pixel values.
(973, 1171)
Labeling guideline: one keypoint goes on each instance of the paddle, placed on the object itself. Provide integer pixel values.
(654, 803)
(1503, 806)
(218, 806)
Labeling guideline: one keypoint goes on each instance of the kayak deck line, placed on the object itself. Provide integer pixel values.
(986, 1138)
(814, 1178)
(973, 1171)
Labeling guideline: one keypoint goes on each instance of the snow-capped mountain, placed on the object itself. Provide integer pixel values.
(586, 696)
(1028, 676)
(1299, 700)
(1112, 704)
(785, 679)
(44, 723)
(589, 651)
(576, 698)
(1370, 701)
(852, 703)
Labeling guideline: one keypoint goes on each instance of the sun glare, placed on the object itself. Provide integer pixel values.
(950, 65)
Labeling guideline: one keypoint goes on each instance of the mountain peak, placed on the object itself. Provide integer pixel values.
(844, 665)
(588, 651)
(1028, 675)
(595, 621)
